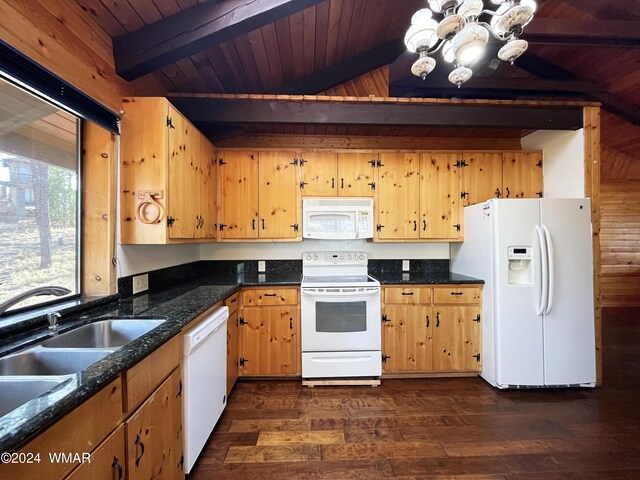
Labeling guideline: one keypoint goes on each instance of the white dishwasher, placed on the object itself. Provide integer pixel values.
(204, 375)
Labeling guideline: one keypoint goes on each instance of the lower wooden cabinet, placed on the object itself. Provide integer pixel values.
(107, 461)
(232, 351)
(154, 434)
(431, 329)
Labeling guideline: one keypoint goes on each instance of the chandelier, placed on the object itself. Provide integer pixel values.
(462, 37)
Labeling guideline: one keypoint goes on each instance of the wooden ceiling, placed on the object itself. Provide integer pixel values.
(578, 49)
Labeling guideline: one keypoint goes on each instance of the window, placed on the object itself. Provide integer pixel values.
(39, 197)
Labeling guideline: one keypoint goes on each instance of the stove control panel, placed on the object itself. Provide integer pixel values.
(334, 258)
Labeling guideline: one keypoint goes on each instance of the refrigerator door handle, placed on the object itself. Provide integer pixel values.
(550, 259)
(544, 290)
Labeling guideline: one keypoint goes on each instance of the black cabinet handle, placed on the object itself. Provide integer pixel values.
(427, 321)
(117, 467)
(407, 293)
(497, 193)
(456, 293)
(333, 182)
(508, 192)
(179, 394)
(437, 319)
(270, 295)
(139, 442)
(342, 183)
(290, 323)
(415, 225)
(253, 224)
(263, 223)
(424, 225)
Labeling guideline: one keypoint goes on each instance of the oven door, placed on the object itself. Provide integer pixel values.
(340, 319)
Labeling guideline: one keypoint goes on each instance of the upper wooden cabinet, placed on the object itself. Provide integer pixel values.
(329, 174)
(501, 175)
(398, 196)
(440, 208)
(167, 176)
(260, 196)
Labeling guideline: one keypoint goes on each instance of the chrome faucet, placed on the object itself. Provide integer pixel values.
(57, 291)
(52, 318)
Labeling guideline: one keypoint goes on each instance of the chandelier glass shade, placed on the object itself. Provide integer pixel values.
(463, 37)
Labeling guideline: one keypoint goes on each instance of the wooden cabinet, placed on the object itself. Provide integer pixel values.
(501, 175)
(260, 196)
(398, 196)
(233, 340)
(431, 330)
(154, 434)
(165, 177)
(107, 461)
(329, 174)
(440, 207)
(269, 332)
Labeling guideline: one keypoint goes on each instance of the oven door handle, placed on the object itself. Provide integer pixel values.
(350, 293)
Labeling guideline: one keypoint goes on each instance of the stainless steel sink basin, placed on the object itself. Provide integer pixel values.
(16, 392)
(103, 334)
(50, 362)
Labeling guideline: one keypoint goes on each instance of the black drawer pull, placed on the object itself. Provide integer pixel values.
(427, 321)
(407, 293)
(456, 293)
(117, 467)
(139, 442)
(270, 295)
(437, 319)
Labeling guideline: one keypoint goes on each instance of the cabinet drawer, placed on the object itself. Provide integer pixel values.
(269, 296)
(107, 461)
(455, 294)
(146, 375)
(78, 432)
(411, 295)
(232, 302)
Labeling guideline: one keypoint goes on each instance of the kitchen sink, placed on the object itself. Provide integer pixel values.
(18, 391)
(113, 333)
(50, 362)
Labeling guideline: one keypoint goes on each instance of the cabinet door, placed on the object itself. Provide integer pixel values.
(232, 351)
(482, 177)
(398, 196)
(407, 338)
(154, 434)
(320, 174)
(456, 339)
(355, 174)
(183, 197)
(269, 341)
(107, 461)
(440, 196)
(239, 195)
(278, 193)
(522, 175)
(208, 200)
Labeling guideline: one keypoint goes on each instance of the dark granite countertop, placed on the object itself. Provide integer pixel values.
(178, 304)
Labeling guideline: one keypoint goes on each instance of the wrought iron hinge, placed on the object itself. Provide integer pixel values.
(385, 319)
(464, 194)
(477, 357)
(379, 164)
(372, 185)
(379, 227)
(539, 164)
(539, 194)
(461, 163)
(477, 319)
(170, 221)
(294, 163)
(385, 358)
(458, 226)
(170, 123)
(181, 462)
(373, 163)
(243, 361)
(303, 161)
(302, 184)
(222, 225)
(179, 394)
(242, 321)
(221, 162)
(295, 227)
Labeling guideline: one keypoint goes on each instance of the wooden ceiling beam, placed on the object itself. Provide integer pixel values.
(239, 111)
(347, 70)
(568, 31)
(544, 69)
(194, 30)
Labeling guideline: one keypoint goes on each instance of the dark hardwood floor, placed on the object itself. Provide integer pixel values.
(440, 428)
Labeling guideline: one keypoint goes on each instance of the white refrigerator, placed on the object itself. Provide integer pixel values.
(535, 256)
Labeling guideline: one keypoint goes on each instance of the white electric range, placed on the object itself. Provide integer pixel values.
(340, 316)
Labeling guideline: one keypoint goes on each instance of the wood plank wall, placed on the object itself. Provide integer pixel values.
(617, 165)
(620, 243)
(374, 83)
(61, 37)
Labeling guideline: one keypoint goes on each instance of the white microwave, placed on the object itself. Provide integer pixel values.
(337, 218)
